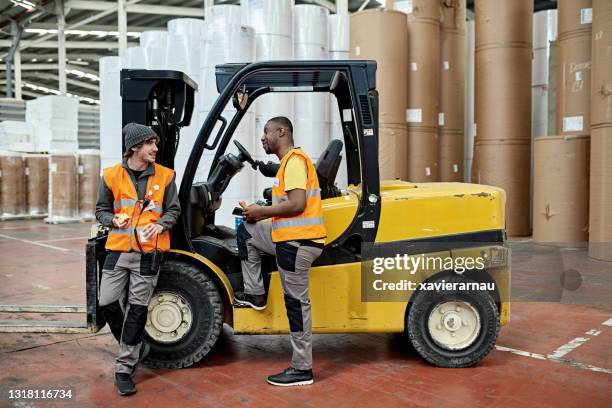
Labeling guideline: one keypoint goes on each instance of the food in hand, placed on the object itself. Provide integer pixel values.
(123, 217)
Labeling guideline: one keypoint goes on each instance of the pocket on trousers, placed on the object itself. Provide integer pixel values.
(150, 263)
(285, 255)
(111, 260)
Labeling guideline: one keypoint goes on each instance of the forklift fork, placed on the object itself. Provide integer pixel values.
(92, 321)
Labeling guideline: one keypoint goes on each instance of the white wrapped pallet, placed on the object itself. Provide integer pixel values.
(335, 123)
(55, 122)
(110, 111)
(17, 136)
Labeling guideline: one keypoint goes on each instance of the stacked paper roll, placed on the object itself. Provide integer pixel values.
(183, 41)
(424, 22)
(12, 185)
(271, 17)
(273, 24)
(224, 40)
(62, 188)
(469, 126)
(452, 90)
(311, 125)
(386, 41)
(560, 189)
(154, 45)
(503, 104)
(110, 111)
(600, 198)
(135, 58)
(37, 183)
(574, 67)
(190, 29)
(339, 49)
(88, 176)
(544, 32)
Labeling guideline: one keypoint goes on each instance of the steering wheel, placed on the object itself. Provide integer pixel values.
(245, 155)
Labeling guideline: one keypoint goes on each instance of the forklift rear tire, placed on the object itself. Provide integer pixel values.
(451, 328)
(185, 316)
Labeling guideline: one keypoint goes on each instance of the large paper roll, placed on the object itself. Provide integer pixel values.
(269, 16)
(310, 25)
(338, 26)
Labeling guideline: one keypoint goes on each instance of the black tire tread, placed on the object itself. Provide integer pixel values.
(174, 271)
(413, 330)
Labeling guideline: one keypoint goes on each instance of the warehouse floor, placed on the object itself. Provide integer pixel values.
(555, 351)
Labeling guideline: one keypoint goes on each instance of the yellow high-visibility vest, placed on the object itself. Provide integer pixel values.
(126, 202)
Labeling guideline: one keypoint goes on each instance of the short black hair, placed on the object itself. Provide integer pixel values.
(283, 122)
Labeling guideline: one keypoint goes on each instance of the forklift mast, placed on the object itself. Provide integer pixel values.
(161, 99)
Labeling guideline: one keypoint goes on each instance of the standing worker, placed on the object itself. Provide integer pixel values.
(137, 199)
(296, 235)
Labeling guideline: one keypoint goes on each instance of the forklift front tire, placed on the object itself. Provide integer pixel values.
(185, 316)
(452, 328)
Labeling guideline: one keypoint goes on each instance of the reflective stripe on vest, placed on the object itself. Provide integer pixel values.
(126, 202)
(310, 193)
(309, 224)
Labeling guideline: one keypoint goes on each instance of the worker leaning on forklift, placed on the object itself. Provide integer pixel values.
(138, 201)
(295, 234)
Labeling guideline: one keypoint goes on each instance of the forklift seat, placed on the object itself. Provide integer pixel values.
(327, 168)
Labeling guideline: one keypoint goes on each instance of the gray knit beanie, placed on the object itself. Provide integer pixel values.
(134, 133)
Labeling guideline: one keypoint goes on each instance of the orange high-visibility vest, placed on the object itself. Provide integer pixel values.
(126, 201)
(307, 225)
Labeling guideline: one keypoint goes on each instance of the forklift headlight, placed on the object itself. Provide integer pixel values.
(495, 256)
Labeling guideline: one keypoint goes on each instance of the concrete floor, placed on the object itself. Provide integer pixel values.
(555, 351)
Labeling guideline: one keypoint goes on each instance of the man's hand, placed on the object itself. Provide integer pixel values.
(254, 213)
(121, 221)
(151, 231)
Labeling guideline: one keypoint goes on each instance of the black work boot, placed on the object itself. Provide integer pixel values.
(124, 383)
(257, 302)
(291, 377)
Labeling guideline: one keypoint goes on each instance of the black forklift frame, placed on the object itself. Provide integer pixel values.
(256, 79)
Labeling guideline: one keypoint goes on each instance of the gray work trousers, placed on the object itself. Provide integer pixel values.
(294, 260)
(125, 291)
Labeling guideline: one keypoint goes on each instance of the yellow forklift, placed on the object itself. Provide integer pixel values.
(449, 322)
